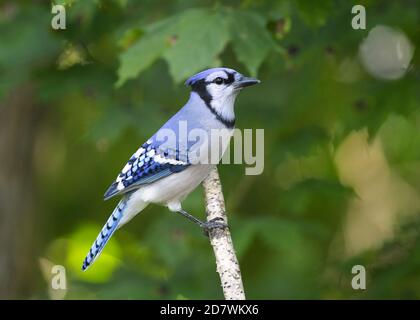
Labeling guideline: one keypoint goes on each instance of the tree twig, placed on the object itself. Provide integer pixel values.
(221, 241)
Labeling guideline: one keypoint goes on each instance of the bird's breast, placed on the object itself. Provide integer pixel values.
(174, 187)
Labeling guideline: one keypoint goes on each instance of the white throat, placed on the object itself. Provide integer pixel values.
(224, 107)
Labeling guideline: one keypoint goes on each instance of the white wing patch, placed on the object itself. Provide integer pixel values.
(159, 159)
(138, 152)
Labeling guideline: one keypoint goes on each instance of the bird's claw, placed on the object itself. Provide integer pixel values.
(216, 223)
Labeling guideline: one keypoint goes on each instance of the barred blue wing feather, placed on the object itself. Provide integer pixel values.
(105, 234)
(150, 163)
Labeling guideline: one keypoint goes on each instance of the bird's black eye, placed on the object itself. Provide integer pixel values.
(218, 80)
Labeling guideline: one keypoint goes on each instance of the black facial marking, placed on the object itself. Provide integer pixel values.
(219, 80)
(230, 78)
(200, 88)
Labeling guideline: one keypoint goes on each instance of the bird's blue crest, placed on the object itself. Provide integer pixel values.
(203, 74)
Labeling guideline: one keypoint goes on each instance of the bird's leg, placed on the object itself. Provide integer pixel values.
(191, 217)
(208, 225)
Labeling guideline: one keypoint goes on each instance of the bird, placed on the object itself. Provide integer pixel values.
(165, 173)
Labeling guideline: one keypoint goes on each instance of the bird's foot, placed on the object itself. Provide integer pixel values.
(216, 223)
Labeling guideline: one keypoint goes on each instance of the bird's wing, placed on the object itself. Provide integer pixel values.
(148, 164)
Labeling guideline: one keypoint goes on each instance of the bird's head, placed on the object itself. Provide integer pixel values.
(218, 88)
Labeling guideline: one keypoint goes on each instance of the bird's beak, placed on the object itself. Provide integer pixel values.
(246, 82)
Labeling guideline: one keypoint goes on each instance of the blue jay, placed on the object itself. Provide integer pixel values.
(161, 173)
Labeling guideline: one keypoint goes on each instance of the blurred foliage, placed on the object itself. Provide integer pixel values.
(114, 76)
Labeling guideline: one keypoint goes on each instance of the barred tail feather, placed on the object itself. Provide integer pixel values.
(105, 234)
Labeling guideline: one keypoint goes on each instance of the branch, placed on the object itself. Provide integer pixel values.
(221, 241)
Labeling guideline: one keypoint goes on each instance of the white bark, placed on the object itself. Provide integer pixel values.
(221, 241)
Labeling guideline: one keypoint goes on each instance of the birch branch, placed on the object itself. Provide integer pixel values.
(221, 241)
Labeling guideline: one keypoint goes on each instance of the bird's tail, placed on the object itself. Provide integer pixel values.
(105, 234)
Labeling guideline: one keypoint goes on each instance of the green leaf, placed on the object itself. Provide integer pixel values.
(403, 149)
(404, 146)
(207, 29)
(251, 40)
(145, 51)
(139, 57)
(191, 41)
(315, 13)
(175, 39)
